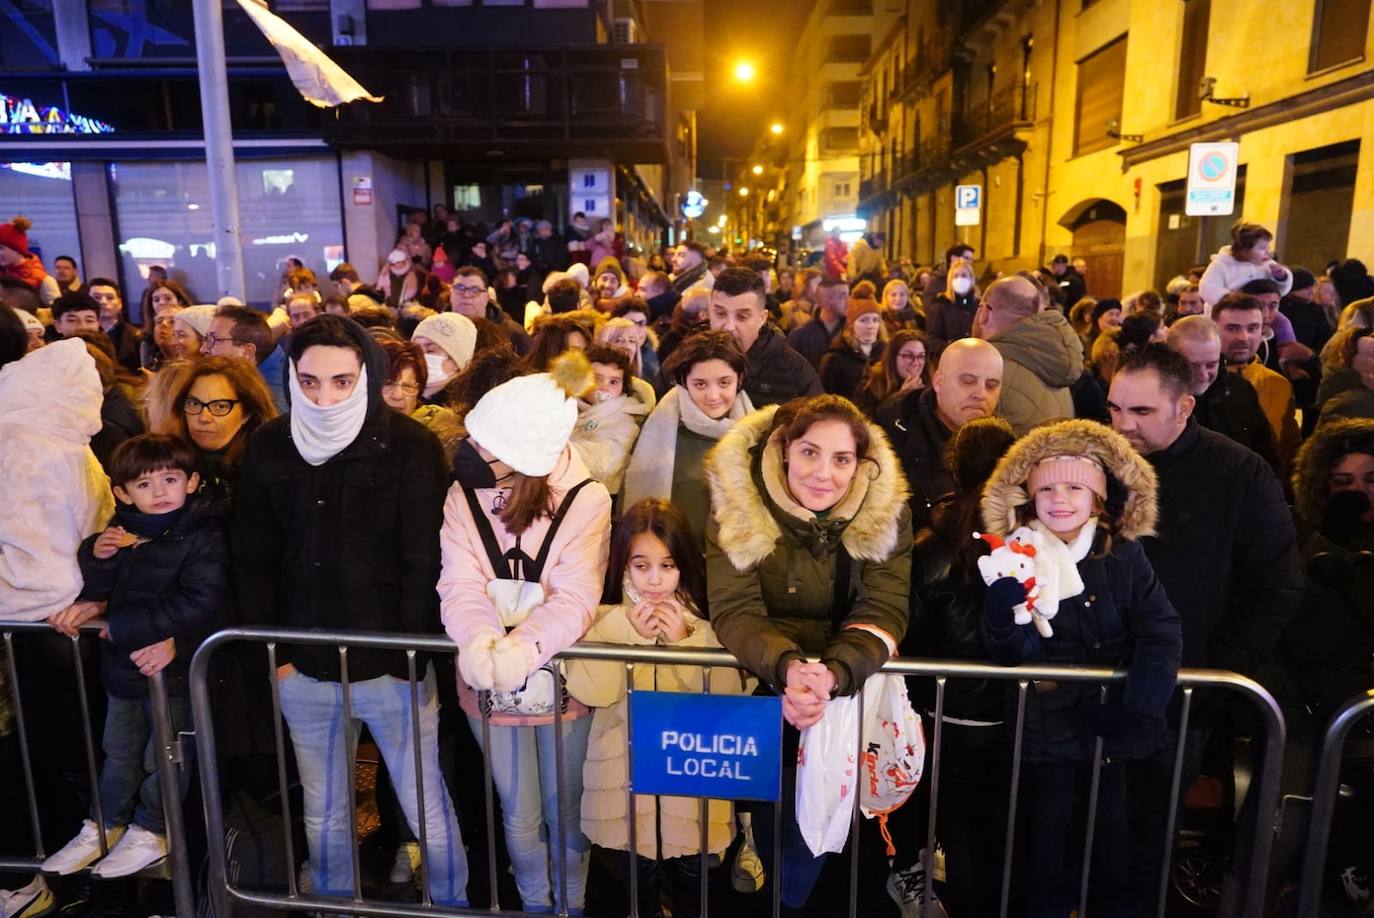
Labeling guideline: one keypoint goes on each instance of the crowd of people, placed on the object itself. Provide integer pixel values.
(526, 439)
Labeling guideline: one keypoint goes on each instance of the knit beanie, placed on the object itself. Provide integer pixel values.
(858, 307)
(30, 321)
(198, 317)
(14, 235)
(578, 272)
(610, 264)
(1303, 279)
(527, 421)
(1079, 470)
(455, 333)
(1105, 306)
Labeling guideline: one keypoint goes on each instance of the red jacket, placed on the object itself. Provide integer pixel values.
(836, 257)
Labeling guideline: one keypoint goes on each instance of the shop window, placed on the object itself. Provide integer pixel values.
(1321, 195)
(1192, 56)
(43, 193)
(1101, 85)
(287, 207)
(1339, 28)
(467, 197)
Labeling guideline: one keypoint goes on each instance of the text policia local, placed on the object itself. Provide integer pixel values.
(707, 756)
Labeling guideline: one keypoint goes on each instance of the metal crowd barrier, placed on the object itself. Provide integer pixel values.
(1324, 797)
(169, 759)
(1266, 792)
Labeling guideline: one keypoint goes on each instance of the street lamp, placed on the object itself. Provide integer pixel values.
(758, 170)
(744, 71)
(744, 191)
(775, 127)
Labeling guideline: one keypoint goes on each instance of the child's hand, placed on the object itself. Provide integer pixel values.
(154, 658)
(1277, 271)
(111, 541)
(643, 620)
(672, 621)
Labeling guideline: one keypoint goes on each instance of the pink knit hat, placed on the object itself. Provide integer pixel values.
(1079, 470)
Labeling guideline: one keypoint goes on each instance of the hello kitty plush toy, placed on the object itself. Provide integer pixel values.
(1015, 557)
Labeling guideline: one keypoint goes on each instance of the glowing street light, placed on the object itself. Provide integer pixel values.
(744, 71)
(775, 127)
(758, 170)
(744, 191)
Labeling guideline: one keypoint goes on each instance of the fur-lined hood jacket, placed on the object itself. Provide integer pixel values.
(771, 563)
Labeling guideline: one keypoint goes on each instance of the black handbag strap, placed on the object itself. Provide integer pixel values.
(515, 564)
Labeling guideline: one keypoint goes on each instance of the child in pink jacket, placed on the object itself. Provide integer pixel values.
(525, 541)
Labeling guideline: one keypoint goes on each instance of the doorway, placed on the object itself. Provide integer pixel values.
(1099, 238)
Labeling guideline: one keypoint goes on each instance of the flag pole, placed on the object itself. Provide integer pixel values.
(219, 149)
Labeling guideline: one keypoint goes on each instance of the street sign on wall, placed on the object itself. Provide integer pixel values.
(1211, 179)
(968, 205)
(591, 188)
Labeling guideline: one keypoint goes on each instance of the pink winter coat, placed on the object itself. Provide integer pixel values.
(572, 578)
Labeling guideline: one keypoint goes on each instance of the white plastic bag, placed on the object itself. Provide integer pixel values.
(829, 772)
(827, 769)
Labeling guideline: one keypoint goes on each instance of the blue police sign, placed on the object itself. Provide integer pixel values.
(723, 746)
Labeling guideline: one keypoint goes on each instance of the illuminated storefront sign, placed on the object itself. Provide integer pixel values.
(21, 116)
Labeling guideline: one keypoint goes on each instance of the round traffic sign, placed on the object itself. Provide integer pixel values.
(1212, 167)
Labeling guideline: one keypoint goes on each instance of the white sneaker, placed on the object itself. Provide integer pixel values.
(908, 889)
(406, 863)
(746, 874)
(28, 902)
(138, 849)
(82, 851)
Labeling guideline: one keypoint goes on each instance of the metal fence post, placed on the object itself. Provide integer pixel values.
(168, 768)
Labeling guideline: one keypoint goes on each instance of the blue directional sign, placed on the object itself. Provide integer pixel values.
(722, 746)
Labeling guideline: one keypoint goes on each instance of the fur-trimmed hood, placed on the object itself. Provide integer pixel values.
(1006, 491)
(1312, 467)
(869, 514)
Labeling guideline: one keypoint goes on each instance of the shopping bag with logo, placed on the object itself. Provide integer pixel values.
(894, 750)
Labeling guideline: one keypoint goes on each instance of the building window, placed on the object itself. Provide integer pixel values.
(43, 193)
(844, 94)
(1192, 56)
(841, 190)
(1338, 33)
(1321, 196)
(852, 49)
(1101, 85)
(841, 140)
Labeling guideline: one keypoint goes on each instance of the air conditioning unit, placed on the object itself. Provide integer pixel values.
(625, 31)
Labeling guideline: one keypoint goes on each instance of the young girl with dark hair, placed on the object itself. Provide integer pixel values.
(656, 595)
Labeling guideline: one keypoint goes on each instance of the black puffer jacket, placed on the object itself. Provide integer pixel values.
(919, 438)
(172, 586)
(949, 320)
(777, 373)
(844, 366)
(350, 544)
(1231, 408)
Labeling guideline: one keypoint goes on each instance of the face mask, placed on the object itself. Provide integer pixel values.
(471, 470)
(962, 285)
(437, 377)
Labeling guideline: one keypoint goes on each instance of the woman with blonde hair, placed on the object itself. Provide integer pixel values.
(899, 310)
(950, 316)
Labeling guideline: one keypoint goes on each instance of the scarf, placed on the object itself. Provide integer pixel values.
(650, 473)
(1056, 565)
(319, 433)
(148, 525)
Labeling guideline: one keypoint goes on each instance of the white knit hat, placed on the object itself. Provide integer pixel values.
(30, 320)
(198, 317)
(527, 421)
(455, 333)
(579, 273)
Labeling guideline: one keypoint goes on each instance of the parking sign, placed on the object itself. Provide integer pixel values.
(968, 205)
(1211, 179)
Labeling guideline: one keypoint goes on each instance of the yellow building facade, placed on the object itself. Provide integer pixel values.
(1076, 119)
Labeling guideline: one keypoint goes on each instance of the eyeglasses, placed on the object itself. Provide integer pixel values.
(212, 340)
(219, 407)
(408, 388)
(464, 290)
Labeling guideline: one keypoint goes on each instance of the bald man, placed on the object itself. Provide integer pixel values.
(966, 385)
(1226, 402)
(1043, 356)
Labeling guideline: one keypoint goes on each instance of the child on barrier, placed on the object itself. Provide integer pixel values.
(525, 537)
(161, 567)
(656, 595)
(1066, 506)
(609, 417)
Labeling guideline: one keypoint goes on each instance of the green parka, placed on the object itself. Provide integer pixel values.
(770, 563)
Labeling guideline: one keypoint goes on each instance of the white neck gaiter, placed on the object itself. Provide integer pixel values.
(319, 433)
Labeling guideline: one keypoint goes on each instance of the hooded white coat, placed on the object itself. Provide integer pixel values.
(53, 492)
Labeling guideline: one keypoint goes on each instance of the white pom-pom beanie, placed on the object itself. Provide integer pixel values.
(526, 422)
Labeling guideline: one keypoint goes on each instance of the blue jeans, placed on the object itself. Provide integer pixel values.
(325, 754)
(526, 777)
(129, 783)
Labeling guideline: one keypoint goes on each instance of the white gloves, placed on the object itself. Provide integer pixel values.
(476, 662)
(511, 664)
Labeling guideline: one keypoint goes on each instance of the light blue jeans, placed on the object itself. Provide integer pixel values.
(526, 777)
(325, 754)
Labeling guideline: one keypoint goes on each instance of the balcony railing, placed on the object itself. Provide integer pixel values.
(1010, 107)
(576, 97)
(932, 59)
